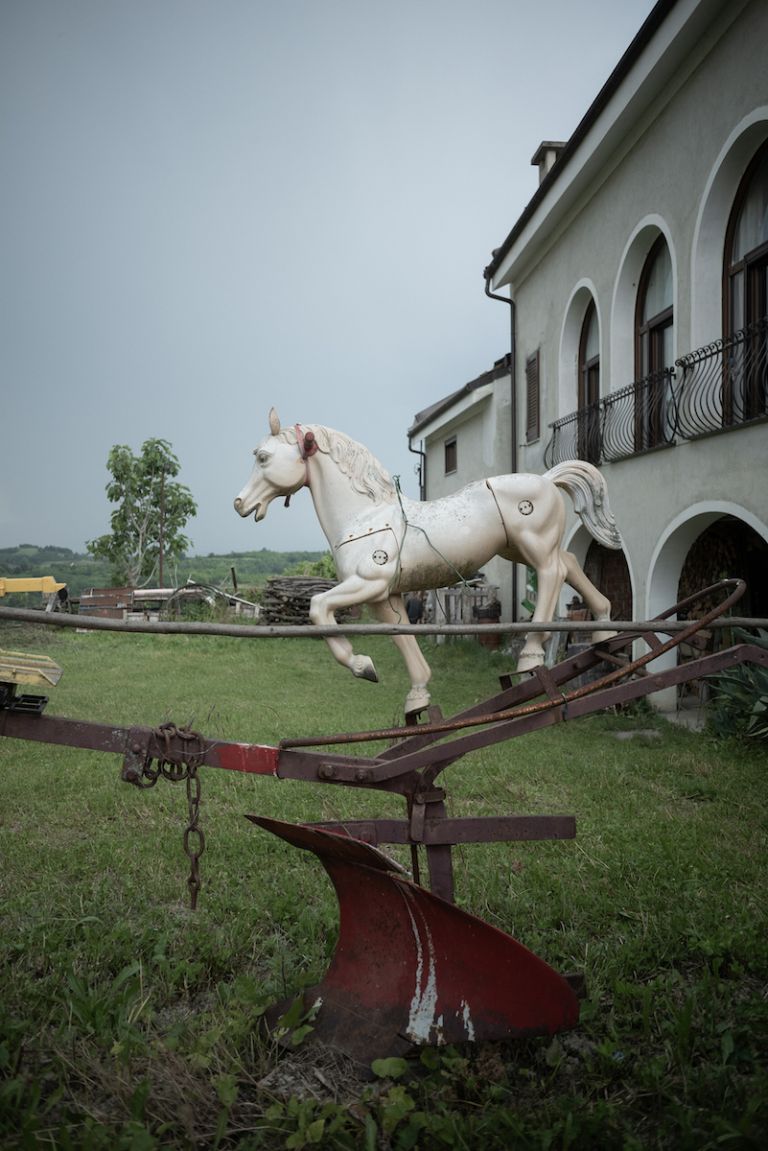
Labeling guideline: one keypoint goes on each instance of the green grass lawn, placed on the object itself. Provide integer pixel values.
(129, 1022)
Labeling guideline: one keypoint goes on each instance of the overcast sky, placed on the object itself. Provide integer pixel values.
(211, 206)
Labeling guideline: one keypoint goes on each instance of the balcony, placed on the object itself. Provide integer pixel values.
(716, 388)
(724, 385)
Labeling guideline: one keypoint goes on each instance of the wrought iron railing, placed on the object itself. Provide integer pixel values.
(634, 419)
(723, 385)
(575, 437)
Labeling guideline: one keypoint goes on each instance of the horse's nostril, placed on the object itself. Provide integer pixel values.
(238, 504)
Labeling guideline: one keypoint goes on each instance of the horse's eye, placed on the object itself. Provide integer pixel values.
(262, 457)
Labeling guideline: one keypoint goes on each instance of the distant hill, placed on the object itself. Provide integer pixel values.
(80, 571)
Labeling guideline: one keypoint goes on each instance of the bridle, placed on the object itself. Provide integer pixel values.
(307, 445)
(306, 442)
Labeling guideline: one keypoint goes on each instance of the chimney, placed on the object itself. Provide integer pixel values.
(546, 156)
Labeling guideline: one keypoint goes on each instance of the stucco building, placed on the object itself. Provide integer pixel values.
(636, 281)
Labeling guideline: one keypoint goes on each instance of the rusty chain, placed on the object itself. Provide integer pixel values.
(177, 769)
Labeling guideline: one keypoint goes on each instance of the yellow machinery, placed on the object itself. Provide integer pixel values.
(45, 584)
(20, 668)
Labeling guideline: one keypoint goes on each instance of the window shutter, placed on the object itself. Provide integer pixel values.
(532, 397)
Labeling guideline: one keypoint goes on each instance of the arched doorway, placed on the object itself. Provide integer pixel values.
(728, 549)
(665, 572)
(607, 569)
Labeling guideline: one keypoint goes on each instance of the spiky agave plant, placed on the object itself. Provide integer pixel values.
(740, 704)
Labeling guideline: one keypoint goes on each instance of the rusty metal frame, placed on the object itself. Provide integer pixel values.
(419, 751)
(445, 976)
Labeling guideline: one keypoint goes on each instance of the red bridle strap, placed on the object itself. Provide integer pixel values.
(307, 445)
(306, 441)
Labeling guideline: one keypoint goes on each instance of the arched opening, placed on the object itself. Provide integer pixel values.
(745, 270)
(608, 571)
(623, 368)
(589, 387)
(708, 543)
(745, 296)
(728, 549)
(709, 296)
(582, 299)
(578, 421)
(654, 349)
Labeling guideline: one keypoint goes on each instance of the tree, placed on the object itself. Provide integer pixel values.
(150, 516)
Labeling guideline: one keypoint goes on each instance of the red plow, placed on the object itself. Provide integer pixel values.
(410, 968)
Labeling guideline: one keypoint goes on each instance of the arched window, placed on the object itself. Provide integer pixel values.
(745, 296)
(589, 387)
(746, 248)
(654, 348)
(655, 312)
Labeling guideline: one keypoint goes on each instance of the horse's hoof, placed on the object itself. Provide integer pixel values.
(362, 668)
(418, 699)
(603, 636)
(529, 661)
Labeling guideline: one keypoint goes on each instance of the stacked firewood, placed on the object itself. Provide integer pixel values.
(285, 599)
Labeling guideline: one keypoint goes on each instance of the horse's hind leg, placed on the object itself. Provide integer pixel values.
(550, 576)
(321, 612)
(393, 610)
(597, 603)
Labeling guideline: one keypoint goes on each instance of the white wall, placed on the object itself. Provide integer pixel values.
(678, 178)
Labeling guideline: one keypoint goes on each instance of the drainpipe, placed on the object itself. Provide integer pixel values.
(513, 397)
(422, 469)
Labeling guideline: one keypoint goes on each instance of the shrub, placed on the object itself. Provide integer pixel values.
(740, 704)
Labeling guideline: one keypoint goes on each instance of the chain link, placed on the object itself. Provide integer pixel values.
(178, 769)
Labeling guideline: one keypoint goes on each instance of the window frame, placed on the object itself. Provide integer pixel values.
(744, 386)
(748, 265)
(650, 369)
(588, 390)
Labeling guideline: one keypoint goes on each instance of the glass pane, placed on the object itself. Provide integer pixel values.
(658, 293)
(752, 224)
(737, 301)
(758, 303)
(592, 341)
(667, 351)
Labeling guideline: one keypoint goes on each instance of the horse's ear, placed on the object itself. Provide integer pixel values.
(274, 422)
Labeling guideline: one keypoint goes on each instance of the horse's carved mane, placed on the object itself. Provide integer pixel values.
(366, 474)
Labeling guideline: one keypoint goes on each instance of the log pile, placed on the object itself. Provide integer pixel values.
(285, 599)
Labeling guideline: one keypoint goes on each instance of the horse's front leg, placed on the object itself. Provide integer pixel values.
(322, 607)
(393, 610)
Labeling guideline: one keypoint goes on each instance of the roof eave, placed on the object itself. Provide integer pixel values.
(629, 59)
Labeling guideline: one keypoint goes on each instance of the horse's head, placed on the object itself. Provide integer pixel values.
(279, 470)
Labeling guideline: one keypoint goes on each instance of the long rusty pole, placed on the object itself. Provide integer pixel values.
(312, 631)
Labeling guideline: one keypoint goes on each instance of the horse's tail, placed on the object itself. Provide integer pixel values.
(587, 488)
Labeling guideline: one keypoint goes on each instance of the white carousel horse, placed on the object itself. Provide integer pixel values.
(385, 545)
